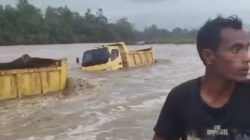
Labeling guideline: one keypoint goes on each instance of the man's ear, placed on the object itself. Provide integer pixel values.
(208, 56)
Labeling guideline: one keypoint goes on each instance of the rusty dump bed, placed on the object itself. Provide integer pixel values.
(28, 76)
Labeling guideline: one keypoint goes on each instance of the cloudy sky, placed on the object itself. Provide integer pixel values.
(164, 13)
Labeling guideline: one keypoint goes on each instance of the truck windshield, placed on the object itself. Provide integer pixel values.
(95, 57)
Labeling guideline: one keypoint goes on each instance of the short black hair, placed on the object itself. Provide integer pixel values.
(208, 36)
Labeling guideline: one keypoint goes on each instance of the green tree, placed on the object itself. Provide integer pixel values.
(26, 24)
(29, 23)
(126, 30)
(58, 25)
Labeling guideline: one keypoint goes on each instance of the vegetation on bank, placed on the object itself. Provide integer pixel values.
(177, 40)
(27, 24)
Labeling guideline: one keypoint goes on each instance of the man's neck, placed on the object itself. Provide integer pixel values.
(216, 91)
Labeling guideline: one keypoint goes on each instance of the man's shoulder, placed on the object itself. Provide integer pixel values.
(186, 88)
(189, 85)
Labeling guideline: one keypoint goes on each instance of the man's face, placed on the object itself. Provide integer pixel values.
(231, 60)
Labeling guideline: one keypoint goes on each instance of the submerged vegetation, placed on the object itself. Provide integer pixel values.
(27, 24)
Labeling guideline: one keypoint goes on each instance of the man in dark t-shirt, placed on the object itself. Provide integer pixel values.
(215, 106)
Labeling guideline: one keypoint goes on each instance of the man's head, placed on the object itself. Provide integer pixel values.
(223, 48)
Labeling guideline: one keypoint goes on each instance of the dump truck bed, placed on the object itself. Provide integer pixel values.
(138, 58)
(26, 78)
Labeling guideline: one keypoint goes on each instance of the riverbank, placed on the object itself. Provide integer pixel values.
(155, 41)
(168, 41)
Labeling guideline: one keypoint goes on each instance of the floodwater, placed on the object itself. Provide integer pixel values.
(117, 105)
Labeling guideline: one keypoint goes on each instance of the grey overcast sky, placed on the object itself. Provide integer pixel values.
(164, 13)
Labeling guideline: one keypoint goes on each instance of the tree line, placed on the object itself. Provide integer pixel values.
(27, 24)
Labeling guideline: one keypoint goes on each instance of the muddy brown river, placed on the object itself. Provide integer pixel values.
(117, 105)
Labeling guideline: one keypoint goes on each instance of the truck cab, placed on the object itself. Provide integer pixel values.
(101, 59)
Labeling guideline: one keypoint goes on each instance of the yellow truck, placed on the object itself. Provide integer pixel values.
(115, 56)
(28, 76)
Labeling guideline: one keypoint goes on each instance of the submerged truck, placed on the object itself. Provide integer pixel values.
(28, 76)
(115, 56)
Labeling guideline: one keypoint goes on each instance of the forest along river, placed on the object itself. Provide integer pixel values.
(117, 105)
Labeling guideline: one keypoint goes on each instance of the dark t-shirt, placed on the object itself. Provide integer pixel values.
(185, 116)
